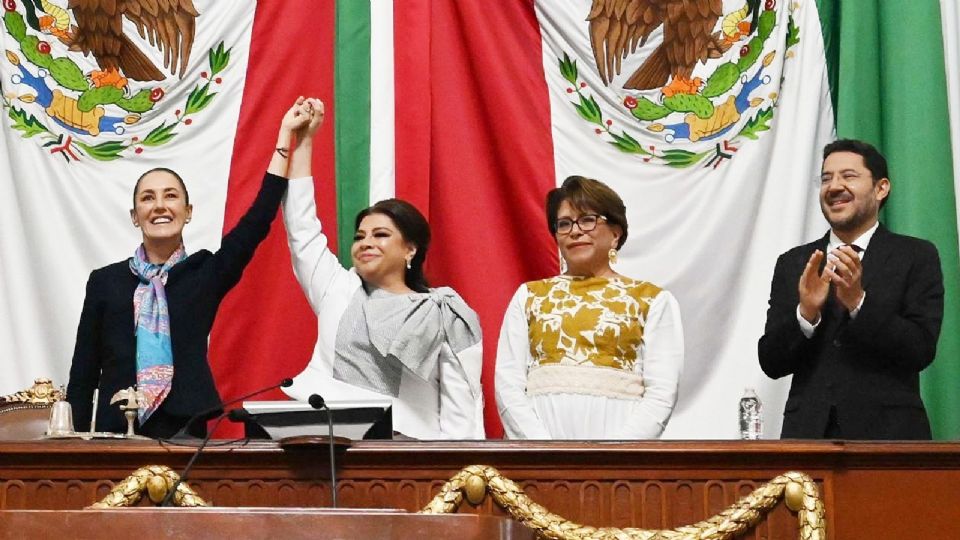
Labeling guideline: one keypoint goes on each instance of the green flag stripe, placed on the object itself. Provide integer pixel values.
(889, 85)
(352, 102)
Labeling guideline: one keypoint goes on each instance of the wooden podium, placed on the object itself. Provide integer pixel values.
(253, 523)
(871, 490)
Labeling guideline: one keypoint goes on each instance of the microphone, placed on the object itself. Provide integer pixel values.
(284, 383)
(239, 415)
(206, 439)
(317, 402)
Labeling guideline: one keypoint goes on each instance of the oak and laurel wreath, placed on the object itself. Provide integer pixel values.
(588, 109)
(199, 98)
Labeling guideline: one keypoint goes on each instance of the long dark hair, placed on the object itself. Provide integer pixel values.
(413, 228)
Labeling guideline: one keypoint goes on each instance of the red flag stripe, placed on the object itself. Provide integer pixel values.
(265, 329)
(487, 147)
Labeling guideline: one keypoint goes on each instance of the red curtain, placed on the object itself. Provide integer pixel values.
(474, 151)
(265, 330)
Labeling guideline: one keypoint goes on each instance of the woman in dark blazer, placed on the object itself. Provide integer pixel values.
(146, 320)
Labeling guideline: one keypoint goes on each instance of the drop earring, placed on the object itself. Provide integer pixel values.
(613, 256)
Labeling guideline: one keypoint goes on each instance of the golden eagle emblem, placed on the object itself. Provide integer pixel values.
(618, 27)
(67, 102)
(737, 42)
(169, 25)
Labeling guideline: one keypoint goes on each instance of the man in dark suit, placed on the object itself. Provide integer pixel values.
(855, 315)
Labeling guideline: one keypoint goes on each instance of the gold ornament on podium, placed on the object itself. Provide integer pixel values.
(155, 481)
(797, 489)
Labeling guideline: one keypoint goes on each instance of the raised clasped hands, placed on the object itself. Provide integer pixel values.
(296, 117)
(302, 119)
(313, 109)
(843, 269)
(293, 152)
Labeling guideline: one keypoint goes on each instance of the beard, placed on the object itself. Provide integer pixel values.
(863, 215)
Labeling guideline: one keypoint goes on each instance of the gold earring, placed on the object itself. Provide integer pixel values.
(613, 256)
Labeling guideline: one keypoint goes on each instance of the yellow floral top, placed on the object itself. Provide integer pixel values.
(588, 321)
(588, 358)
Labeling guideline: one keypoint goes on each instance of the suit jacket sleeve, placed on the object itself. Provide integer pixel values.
(85, 367)
(902, 331)
(241, 242)
(783, 345)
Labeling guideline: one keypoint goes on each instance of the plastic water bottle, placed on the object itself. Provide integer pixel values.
(751, 415)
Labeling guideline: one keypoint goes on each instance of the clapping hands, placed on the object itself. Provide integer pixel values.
(843, 268)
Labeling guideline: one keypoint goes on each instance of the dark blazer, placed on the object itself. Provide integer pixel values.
(105, 351)
(868, 367)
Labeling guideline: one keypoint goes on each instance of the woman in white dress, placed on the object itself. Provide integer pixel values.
(382, 332)
(588, 354)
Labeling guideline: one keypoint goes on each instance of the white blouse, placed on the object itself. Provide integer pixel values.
(447, 405)
(580, 400)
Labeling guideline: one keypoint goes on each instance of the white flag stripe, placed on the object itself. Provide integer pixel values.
(382, 113)
(74, 217)
(709, 235)
(950, 21)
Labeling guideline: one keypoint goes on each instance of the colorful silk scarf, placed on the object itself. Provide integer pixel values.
(152, 326)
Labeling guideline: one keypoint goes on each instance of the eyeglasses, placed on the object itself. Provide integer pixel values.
(586, 223)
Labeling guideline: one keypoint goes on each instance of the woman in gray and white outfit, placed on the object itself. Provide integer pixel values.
(382, 332)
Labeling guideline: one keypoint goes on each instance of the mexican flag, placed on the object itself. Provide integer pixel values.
(472, 111)
(895, 81)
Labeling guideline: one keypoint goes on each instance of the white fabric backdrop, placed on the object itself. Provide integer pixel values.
(61, 220)
(950, 21)
(710, 236)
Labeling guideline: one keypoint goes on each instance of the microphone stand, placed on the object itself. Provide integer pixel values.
(285, 383)
(317, 402)
(193, 459)
(209, 435)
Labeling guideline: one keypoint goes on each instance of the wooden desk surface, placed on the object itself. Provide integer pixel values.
(252, 523)
(872, 490)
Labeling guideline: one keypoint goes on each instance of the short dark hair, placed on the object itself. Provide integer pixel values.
(413, 228)
(186, 194)
(587, 194)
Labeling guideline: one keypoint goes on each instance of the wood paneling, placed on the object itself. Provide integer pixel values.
(871, 490)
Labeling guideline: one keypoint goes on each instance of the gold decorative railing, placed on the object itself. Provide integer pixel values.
(41, 393)
(797, 490)
(155, 481)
